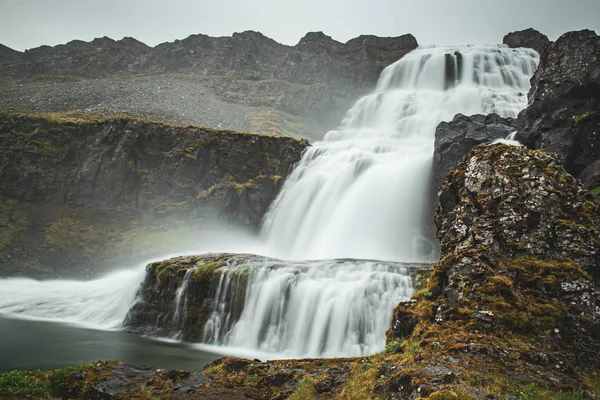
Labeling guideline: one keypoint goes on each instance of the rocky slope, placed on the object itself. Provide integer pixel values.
(82, 188)
(252, 82)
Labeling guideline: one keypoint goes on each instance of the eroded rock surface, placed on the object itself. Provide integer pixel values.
(517, 288)
(527, 38)
(456, 138)
(564, 110)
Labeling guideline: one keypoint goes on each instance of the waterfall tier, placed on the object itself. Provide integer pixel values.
(362, 192)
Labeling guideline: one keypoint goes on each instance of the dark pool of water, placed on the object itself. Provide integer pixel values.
(27, 344)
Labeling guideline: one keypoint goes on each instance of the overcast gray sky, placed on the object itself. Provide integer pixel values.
(30, 23)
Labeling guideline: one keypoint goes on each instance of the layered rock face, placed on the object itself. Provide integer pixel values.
(246, 82)
(81, 184)
(517, 288)
(564, 110)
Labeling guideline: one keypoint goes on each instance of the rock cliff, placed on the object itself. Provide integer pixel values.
(246, 82)
(564, 110)
(72, 186)
(456, 138)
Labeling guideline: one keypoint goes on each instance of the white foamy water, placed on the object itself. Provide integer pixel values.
(102, 303)
(362, 192)
(309, 309)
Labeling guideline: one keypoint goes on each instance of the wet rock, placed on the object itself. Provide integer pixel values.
(564, 111)
(162, 310)
(456, 138)
(527, 38)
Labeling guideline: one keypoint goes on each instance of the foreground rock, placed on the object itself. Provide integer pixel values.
(564, 110)
(74, 189)
(517, 289)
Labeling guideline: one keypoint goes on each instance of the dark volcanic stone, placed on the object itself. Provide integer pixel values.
(564, 102)
(456, 138)
(527, 38)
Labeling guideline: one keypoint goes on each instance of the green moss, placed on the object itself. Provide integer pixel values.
(208, 269)
(595, 190)
(304, 390)
(13, 222)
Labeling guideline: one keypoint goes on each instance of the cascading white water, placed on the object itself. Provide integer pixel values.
(309, 309)
(362, 192)
(102, 303)
(181, 299)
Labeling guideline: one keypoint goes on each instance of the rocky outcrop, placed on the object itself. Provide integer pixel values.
(527, 38)
(246, 82)
(178, 295)
(517, 288)
(564, 110)
(60, 176)
(456, 138)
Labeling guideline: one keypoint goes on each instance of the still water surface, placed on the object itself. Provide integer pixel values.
(33, 344)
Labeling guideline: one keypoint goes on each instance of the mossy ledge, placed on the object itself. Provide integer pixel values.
(156, 312)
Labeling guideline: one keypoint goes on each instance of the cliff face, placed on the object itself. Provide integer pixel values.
(63, 175)
(564, 110)
(246, 82)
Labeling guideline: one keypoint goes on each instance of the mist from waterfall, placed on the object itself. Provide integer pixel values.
(362, 192)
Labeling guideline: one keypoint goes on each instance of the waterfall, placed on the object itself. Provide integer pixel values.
(102, 303)
(309, 309)
(181, 299)
(361, 192)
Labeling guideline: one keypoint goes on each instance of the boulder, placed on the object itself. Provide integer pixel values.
(564, 103)
(456, 138)
(527, 38)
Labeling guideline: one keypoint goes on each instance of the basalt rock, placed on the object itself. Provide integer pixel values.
(178, 295)
(518, 285)
(71, 185)
(456, 138)
(564, 110)
(527, 38)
